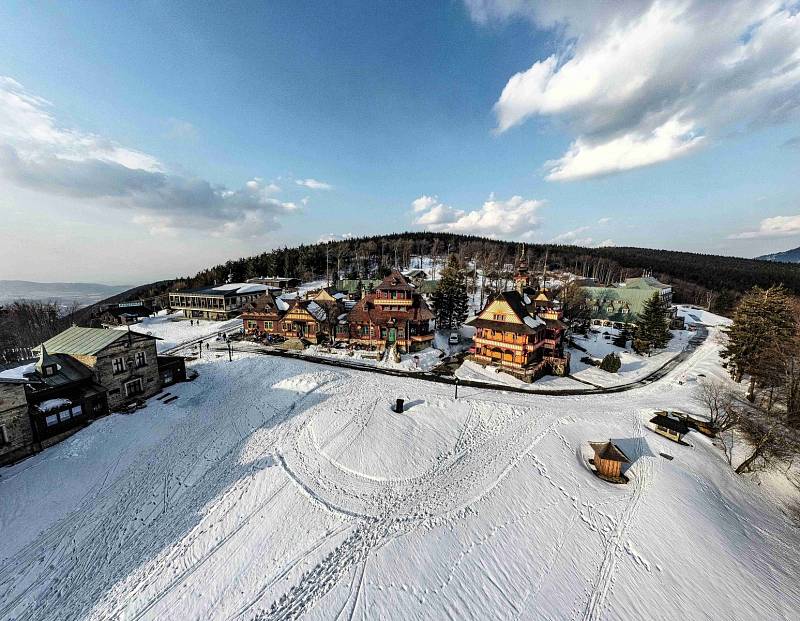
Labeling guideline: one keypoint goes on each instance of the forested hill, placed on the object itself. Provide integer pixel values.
(697, 278)
(788, 256)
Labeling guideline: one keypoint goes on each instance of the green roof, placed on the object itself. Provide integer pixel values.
(428, 286)
(85, 341)
(645, 282)
(618, 298)
(350, 285)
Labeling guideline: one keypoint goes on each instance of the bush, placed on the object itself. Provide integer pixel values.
(611, 363)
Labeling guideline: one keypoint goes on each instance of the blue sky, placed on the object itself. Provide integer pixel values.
(141, 141)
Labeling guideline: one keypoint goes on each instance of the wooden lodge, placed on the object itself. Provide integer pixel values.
(394, 314)
(608, 461)
(522, 332)
(295, 318)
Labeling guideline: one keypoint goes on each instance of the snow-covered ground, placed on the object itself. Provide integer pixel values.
(634, 366)
(175, 329)
(423, 360)
(273, 488)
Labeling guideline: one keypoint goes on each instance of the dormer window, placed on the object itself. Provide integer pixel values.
(49, 370)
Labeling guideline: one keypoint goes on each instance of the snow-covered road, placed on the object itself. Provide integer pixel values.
(273, 489)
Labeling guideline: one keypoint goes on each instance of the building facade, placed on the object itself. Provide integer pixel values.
(521, 332)
(394, 314)
(123, 362)
(215, 303)
(621, 306)
(295, 318)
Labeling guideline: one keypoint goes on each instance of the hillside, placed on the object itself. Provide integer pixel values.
(275, 489)
(787, 256)
(695, 277)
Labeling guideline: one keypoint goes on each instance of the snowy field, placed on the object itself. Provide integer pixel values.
(274, 488)
(175, 329)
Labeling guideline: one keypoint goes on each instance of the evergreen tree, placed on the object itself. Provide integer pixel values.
(762, 322)
(653, 326)
(450, 302)
(611, 363)
(621, 340)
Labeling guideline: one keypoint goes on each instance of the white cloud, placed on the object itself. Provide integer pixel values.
(178, 129)
(514, 217)
(777, 226)
(313, 184)
(639, 83)
(332, 237)
(605, 220)
(581, 237)
(39, 154)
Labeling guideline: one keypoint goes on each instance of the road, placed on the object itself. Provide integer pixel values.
(656, 375)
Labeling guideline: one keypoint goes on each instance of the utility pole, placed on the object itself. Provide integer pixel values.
(201, 349)
(456, 388)
(230, 354)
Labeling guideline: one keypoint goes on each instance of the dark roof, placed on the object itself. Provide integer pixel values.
(365, 311)
(87, 341)
(395, 281)
(262, 305)
(128, 310)
(674, 424)
(68, 371)
(609, 451)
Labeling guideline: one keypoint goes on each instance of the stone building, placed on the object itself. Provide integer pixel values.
(124, 363)
(16, 437)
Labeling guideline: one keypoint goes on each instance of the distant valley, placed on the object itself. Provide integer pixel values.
(67, 293)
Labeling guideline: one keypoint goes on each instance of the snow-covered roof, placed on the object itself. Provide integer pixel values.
(282, 304)
(53, 404)
(533, 322)
(316, 310)
(241, 287)
(18, 373)
(526, 299)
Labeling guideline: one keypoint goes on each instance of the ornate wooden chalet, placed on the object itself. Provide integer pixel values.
(294, 318)
(521, 331)
(394, 314)
(263, 315)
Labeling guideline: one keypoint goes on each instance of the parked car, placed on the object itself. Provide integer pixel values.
(454, 338)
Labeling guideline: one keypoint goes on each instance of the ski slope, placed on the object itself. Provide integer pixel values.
(275, 489)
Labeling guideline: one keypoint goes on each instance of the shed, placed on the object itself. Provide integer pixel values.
(670, 426)
(608, 459)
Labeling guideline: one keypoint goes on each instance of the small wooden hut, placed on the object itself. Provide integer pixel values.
(608, 460)
(670, 426)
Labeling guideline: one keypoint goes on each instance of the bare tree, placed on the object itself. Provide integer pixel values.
(720, 402)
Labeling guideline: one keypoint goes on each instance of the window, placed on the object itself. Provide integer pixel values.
(4, 437)
(51, 420)
(77, 410)
(133, 388)
(64, 415)
(624, 311)
(251, 324)
(49, 370)
(268, 324)
(499, 317)
(610, 309)
(141, 359)
(118, 364)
